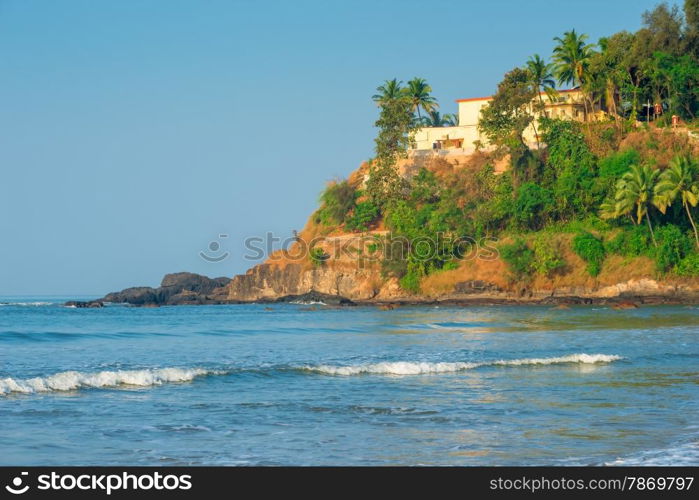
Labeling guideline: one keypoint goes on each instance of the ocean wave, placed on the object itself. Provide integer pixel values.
(73, 380)
(426, 368)
(27, 304)
(680, 454)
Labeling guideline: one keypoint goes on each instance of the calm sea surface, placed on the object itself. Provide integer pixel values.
(243, 385)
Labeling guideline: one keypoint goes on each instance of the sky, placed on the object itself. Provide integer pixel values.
(134, 133)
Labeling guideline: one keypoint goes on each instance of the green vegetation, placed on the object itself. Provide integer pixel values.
(679, 181)
(519, 258)
(548, 259)
(621, 183)
(365, 213)
(591, 250)
(396, 124)
(689, 266)
(337, 201)
(318, 256)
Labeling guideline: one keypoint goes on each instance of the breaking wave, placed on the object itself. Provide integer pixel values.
(73, 380)
(421, 368)
(27, 304)
(678, 454)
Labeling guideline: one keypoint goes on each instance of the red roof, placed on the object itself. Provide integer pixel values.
(490, 96)
(475, 99)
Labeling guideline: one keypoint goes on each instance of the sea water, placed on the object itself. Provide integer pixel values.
(291, 384)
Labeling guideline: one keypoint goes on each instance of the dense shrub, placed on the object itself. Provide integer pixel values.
(631, 242)
(611, 168)
(410, 282)
(547, 255)
(364, 214)
(591, 250)
(336, 202)
(317, 256)
(571, 168)
(673, 246)
(531, 205)
(519, 258)
(688, 266)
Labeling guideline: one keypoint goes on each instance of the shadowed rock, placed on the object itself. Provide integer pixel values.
(175, 289)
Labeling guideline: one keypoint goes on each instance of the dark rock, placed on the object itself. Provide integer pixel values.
(90, 304)
(175, 289)
(566, 300)
(475, 286)
(138, 296)
(316, 297)
(387, 307)
(619, 306)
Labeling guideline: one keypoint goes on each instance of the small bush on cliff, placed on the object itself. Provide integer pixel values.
(689, 266)
(571, 168)
(591, 250)
(611, 168)
(365, 213)
(317, 256)
(337, 200)
(631, 242)
(519, 259)
(673, 246)
(547, 255)
(395, 257)
(411, 281)
(531, 205)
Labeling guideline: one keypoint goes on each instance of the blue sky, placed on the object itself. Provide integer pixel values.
(135, 132)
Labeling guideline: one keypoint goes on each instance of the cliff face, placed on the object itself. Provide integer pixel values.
(352, 269)
(269, 282)
(348, 270)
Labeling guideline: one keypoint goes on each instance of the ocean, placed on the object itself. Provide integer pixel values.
(294, 384)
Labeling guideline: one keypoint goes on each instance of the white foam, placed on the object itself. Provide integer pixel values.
(684, 454)
(422, 368)
(73, 380)
(34, 304)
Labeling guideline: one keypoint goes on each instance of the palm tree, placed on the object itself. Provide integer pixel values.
(635, 189)
(541, 79)
(418, 91)
(391, 89)
(608, 209)
(451, 120)
(571, 58)
(435, 119)
(679, 179)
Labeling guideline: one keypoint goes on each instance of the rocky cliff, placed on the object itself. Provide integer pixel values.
(350, 270)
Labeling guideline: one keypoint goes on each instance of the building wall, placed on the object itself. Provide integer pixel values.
(470, 110)
(568, 106)
(427, 136)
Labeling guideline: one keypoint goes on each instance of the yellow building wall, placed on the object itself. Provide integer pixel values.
(470, 111)
(566, 105)
(427, 136)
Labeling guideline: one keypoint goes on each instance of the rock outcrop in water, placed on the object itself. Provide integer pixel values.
(175, 289)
